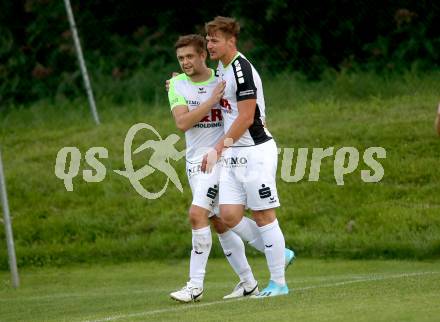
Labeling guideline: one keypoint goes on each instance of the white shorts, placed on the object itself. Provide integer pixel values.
(248, 176)
(204, 186)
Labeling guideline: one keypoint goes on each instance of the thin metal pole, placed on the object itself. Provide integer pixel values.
(81, 61)
(8, 228)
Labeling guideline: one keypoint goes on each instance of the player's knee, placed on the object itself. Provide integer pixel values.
(264, 217)
(197, 217)
(231, 214)
(230, 218)
(219, 226)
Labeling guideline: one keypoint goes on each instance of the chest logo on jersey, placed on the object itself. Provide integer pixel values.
(193, 103)
(213, 119)
(214, 116)
(202, 90)
(226, 106)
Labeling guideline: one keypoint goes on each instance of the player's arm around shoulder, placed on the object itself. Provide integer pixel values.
(167, 82)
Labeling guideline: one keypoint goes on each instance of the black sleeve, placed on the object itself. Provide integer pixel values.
(244, 79)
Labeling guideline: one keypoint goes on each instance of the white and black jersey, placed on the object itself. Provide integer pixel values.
(242, 83)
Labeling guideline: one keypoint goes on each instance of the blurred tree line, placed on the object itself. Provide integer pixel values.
(128, 45)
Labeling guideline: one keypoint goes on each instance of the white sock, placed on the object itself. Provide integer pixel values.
(274, 249)
(247, 229)
(233, 248)
(201, 242)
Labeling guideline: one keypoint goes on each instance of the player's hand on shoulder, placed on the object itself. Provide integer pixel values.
(167, 82)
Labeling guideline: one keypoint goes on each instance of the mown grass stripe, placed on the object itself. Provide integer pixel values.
(189, 306)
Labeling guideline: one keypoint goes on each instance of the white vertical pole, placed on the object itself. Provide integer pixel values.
(8, 228)
(81, 61)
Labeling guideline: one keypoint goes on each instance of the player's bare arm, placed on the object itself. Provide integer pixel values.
(186, 119)
(246, 112)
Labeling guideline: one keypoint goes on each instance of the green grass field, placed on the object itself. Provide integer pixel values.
(399, 217)
(332, 290)
(108, 254)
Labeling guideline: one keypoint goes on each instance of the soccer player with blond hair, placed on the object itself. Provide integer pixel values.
(248, 153)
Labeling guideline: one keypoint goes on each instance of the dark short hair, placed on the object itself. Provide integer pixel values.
(197, 41)
(228, 26)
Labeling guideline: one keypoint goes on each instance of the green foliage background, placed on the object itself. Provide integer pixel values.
(128, 44)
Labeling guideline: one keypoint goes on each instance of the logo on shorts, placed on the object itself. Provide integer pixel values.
(234, 162)
(194, 170)
(264, 192)
(212, 192)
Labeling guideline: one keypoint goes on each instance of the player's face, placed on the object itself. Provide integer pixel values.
(219, 45)
(191, 62)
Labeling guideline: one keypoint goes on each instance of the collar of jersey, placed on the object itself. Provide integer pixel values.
(235, 57)
(206, 82)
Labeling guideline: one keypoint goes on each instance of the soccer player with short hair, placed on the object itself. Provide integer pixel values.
(194, 99)
(248, 150)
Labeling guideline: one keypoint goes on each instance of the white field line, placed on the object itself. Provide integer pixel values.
(76, 295)
(104, 292)
(189, 306)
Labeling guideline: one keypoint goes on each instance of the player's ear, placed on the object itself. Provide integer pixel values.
(203, 54)
(231, 41)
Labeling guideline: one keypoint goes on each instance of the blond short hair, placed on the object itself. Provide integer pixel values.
(228, 26)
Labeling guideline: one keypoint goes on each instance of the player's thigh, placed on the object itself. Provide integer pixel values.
(260, 180)
(206, 190)
(231, 187)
